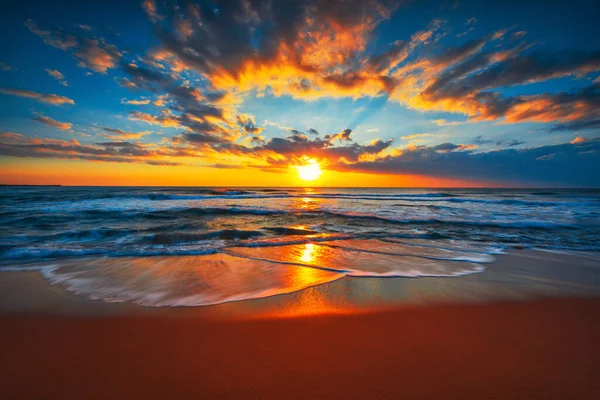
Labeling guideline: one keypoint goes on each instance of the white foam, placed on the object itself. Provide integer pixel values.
(358, 263)
(183, 281)
(401, 249)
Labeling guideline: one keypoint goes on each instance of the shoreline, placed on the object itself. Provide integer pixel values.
(516, 330)
(515, 276)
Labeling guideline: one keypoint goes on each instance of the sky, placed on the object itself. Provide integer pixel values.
(452, 93)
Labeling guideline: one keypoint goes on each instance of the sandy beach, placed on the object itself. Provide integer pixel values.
(543, 349)
(493, 335)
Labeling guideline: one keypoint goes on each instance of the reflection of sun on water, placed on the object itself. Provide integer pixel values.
(306, 203)
(314, 300)
(308, 253)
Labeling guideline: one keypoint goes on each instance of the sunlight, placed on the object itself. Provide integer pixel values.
(308, 253)
(310, 171)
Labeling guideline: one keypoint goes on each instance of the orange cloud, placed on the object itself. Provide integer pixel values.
(43, 98)
(136, 102)
(120, 134)
(65, 126)
(166, 119)
(57, 75)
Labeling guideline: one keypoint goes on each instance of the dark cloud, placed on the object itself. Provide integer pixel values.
(525, 68)
(448, 147)
(578, 125)
(480, 141)
(342, 136)
(459, 53)
(311, 35)
(17, 145)
(510, 143)
(382, 62)
(190, 108)
(567, 164)
(248, 123)
(202, 138)
(298, 145)
(91, 52)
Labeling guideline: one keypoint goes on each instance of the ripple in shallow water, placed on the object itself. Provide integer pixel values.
(184, 280)
(250, 272)
(359, 263)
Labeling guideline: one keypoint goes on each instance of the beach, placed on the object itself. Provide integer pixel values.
(295, 293)
(543, 350)
(343, 339)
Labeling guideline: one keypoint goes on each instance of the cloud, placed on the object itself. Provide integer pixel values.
(480, 141)
(57, 75)
(301, 44)
(315, 48)
(166, 119)
(520, 69)
(138, 102)
(17, 145)
(42, 98)
(160, 101)
(342, 136)
(281, 152)
(510, 143)
(92, 53)
(65, 126)
(120, 134)
(568, 164)
(199, 113)
(149, 7)
(416, 136)
(248, 123)
(4, 66)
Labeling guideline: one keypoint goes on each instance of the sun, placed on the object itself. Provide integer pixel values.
(310, 171)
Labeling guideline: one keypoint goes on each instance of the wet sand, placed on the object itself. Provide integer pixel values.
(492, 335)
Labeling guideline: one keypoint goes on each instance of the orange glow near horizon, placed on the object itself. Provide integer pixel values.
(28, 171)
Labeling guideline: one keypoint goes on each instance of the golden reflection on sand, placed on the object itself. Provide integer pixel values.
(314, 300)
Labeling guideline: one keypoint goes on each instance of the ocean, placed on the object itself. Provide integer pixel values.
(119, 243)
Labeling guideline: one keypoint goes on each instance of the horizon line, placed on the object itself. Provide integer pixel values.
(308, 187)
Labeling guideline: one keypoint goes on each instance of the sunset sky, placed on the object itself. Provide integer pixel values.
(241, 93)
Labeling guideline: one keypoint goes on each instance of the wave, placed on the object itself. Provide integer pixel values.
(436, 221)
(290, 231)
(276, 195)
(178, 238)
(166, 214)
(407, 198)
(524, 202)
(188, 213)
(286, 240)
(36, 253)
